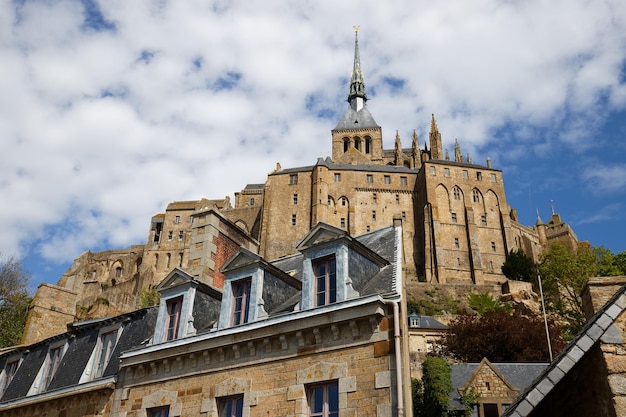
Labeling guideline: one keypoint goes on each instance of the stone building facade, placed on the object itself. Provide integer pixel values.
(458, 227)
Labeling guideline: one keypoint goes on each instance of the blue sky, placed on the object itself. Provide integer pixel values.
(110, 110)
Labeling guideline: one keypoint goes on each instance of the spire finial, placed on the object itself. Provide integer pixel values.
(552, 206)
(357, 97)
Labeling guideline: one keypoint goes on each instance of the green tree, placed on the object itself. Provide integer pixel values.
(500, 337)
(437, 387)
(417, 394)
(564, 273)
(620, 262)
(606, 261)
(484, 303)
(519, 266)
(14, 300)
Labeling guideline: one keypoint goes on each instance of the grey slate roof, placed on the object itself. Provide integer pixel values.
(81, 340)
(600, 327)
(519, 375)
(356, 119)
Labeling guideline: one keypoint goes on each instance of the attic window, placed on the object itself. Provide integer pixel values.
(241, 301)
(325, 281)
(173, 318)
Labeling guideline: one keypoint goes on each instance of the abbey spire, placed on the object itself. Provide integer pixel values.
(357, 97)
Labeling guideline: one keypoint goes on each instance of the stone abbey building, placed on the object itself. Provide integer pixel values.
(457, 225)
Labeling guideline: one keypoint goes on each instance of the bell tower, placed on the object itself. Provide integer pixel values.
(357, 138)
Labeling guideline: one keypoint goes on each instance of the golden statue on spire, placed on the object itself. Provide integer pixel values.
(356, 28)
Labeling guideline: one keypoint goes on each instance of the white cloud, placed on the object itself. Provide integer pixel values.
(98, 138)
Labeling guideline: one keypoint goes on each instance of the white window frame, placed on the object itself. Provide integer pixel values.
(41, 382)
(91, 370)
(6, 377)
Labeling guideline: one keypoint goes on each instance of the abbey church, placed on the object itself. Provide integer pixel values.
(457, 227)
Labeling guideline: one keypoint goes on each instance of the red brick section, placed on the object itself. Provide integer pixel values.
(225, 249)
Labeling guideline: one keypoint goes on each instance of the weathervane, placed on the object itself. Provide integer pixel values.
(356, 28)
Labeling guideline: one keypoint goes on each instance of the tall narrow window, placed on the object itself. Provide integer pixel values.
(168, 259)
(118, 272)
(9, 372)
(446, 172)
(293, 219)
(170, 235)
(176, 219)
(368, 144)
(173, 317)
(433, 171)
(493, 246)
(465, 174)
(180, 234)
(337, 177)
(479, 176)
(105, 350)
(493, 178)
(230, 406)
(369, 178)
(251, 201)
(295, 199)
(343, 222)
(241, 301)
(180, 260)
(323, 400)
(325, 281)
(483, 220)
(403, 181)
(456, 242)
(457, 193)
(343, 201)
(387, 179)
(453, 217)
(346, 144)
(397, 198)
(475, 196)
(357, 144)
(54, 358)
(373, 214)
(374, 198)
(293, 179)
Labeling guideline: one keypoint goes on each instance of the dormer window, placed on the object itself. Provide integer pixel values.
(49, 368)
(9, 372)
(325, 281)
(173, 318)
(241, 301)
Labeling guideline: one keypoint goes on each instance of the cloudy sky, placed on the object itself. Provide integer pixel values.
(109, 110)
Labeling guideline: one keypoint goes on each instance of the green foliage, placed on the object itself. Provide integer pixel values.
(564, 273)
(610, 264)
(417, 393)
(500, 337)
(519, 266)
(14, 300)
(437, 302)
(437, 387)
(468, 398)
(149, 297)
(484, 303)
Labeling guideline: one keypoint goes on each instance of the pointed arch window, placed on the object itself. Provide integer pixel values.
(457, 193)
(476, 196)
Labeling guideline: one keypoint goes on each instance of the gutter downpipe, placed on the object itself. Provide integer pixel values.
(398, 349)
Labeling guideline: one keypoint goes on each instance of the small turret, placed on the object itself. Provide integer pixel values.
(457, 151)
(436, 148)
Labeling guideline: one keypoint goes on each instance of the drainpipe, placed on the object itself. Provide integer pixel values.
(398, 348)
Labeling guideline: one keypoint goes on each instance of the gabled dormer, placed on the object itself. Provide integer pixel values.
(335, 267)
(186, 306)
(253, 289)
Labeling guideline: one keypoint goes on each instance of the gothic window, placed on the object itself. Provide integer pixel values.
(118, 272)
(369, 178)
(173, 308)
(453, 217)
(230, 406)
(325, 281)
(323, 399)
(387, 179)
(475, 196)
(457, 193)
(241, 301)
(293, 179)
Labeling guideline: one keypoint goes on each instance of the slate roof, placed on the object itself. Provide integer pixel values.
(356, 119)
(428, 322)
(519, 375)
(81, 339)
(599, 328)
